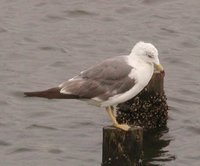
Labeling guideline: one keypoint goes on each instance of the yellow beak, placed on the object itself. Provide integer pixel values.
(159, 67)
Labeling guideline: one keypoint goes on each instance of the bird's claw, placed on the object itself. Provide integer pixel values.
(124, 127)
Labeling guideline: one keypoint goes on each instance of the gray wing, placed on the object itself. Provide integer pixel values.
(104, 80)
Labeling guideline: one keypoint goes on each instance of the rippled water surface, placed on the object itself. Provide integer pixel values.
(43, 43)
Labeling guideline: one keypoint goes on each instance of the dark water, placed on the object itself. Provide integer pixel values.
(43, 43)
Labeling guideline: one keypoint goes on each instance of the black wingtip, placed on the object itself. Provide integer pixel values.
(28, 94)
(52, 93)
(31, 94)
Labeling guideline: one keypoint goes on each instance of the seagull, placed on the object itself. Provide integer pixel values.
(111, 82)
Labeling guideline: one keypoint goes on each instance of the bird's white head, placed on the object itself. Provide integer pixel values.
(148, 53)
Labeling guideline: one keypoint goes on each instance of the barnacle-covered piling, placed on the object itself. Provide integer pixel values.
(148, 109)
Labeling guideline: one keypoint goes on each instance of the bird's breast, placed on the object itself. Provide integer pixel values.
(144, 74)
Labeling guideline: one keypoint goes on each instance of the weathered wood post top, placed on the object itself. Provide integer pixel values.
(122, 148)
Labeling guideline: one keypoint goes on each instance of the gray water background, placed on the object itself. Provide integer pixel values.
(45, 42)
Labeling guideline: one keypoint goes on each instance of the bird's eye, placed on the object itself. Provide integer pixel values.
(150, 56)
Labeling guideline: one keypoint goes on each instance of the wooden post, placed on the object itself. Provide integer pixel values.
(121, 148)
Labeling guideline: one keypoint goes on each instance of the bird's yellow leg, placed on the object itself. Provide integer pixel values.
(113, 118)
